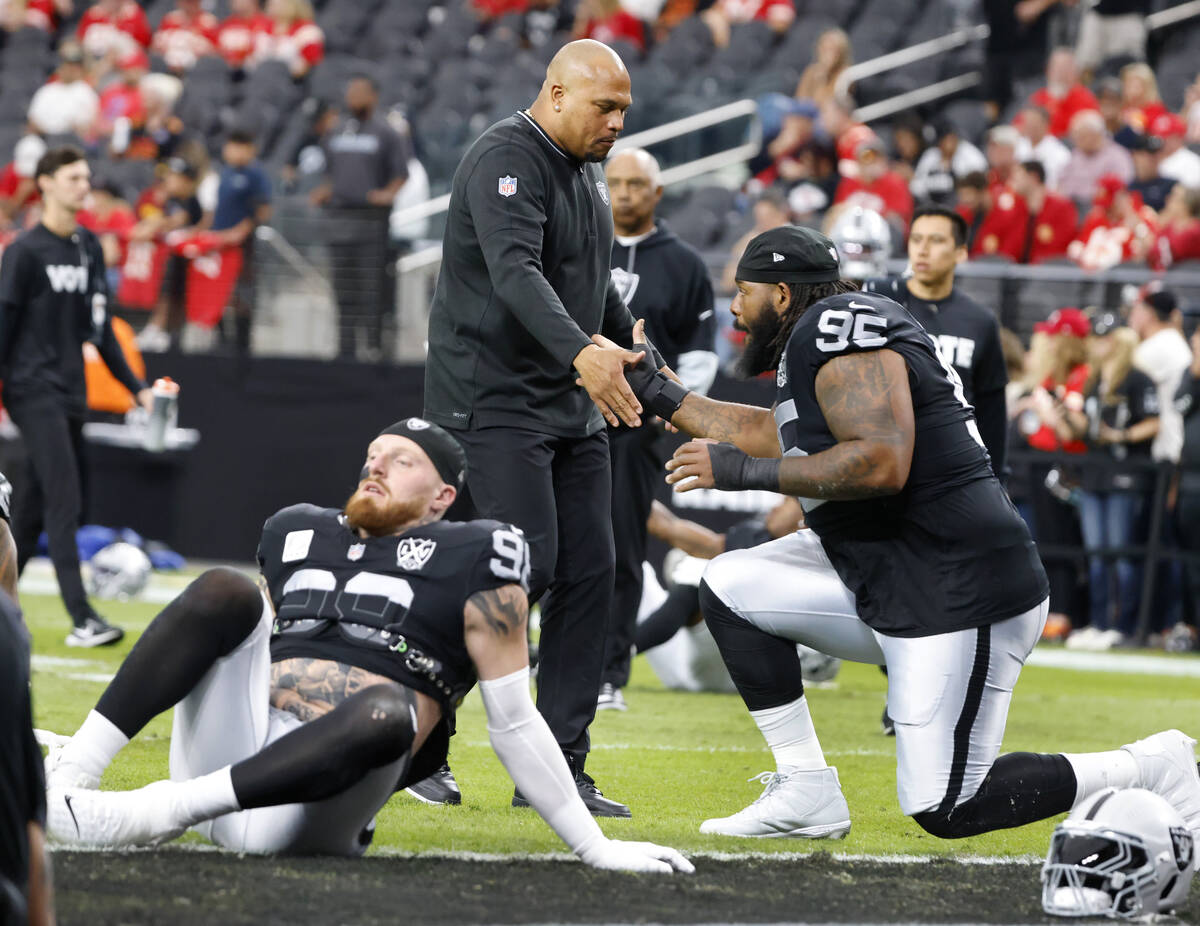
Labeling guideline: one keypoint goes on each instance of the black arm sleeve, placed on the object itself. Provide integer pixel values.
(14, 276)
(991, 378)
(992, 416)
(509, 230)
(109, 347)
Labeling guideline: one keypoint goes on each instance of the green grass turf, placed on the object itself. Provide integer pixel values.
(676, 758)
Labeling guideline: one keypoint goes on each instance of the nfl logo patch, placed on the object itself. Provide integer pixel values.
(508, 186)
(414, 552)
(602, 187)
(355, 553)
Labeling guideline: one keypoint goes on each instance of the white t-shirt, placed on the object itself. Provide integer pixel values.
(1164, 357)
(59, 108)
(1184, 166)
(1050, 152)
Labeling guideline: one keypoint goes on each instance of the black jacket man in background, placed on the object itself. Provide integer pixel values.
(664, 281)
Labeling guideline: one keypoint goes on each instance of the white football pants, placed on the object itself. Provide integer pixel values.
(947, 693)
(228, 717)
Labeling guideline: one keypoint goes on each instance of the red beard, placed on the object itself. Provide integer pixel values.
(379, 515)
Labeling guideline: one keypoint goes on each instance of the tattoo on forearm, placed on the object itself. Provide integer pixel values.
(309, 688)
(504, 610)
(867, 404)
(748, 426)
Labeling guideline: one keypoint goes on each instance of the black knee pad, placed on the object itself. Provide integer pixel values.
(764, 667)
(227, 602)
(387, 714)
(941, 824)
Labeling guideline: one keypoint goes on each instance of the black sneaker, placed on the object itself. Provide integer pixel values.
(438, 788)
(94, 631)
(889, 725)
(597, 804)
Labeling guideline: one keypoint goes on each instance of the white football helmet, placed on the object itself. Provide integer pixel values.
(119, 570)
(1122, 853)
(815, 666)
(863, 241)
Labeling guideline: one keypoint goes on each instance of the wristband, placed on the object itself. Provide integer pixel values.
(733, 470)
(656, 391)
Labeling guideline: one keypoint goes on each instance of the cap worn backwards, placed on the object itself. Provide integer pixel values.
(444, 451)
(789, 254)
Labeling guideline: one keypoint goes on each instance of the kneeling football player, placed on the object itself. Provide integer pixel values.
(297, 711)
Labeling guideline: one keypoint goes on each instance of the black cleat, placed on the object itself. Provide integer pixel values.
(94, 631)
(438, 788)
(889, 725)
(597, 804)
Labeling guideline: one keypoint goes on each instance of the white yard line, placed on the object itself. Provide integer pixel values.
(1126, 662)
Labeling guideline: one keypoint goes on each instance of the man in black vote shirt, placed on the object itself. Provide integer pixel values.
(966, 333)
(913, 556)
(298, 709)
(53, 301)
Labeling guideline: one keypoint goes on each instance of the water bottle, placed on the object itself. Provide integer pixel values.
(164, 413)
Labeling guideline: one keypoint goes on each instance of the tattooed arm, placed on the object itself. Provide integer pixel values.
(750, 427)
(494, 630)
(310, 687)
(868, 407)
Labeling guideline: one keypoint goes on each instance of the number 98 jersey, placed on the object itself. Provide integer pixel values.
(391, 605)
(949, 551)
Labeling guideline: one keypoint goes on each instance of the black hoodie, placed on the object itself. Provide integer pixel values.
(665, 281)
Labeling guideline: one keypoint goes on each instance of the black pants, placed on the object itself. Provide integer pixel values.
(51, 494)
(635, 467)
(557, 491)
(358, 259)
(1188, 520)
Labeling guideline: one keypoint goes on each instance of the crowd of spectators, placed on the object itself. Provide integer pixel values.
(1095, 177)
(1105, 403)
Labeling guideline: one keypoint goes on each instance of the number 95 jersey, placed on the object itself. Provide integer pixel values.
(949, 551)
(391, 605)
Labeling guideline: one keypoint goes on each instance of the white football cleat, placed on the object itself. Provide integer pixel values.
(109, 819)
(799, 804)
(1167, 765)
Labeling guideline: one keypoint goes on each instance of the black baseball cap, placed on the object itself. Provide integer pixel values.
(444, 451)
(789, 254)
(1162, 301)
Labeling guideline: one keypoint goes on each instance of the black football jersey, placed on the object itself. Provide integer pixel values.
(949, 551)
(390, 605)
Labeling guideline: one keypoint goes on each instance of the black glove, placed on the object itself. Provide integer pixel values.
(734, 470)
(656, 391)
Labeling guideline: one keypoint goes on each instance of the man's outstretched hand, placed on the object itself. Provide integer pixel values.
(617, 855)
(601, 366)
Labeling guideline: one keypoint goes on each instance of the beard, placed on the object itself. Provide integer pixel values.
(378, 515)
(759, 352)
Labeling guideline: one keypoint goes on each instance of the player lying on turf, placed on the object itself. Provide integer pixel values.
(292, 729)
(915, 559)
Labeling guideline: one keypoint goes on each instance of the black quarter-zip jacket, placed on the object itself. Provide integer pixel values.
(53, 298)
(524, 283)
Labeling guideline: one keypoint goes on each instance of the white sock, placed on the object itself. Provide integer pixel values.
(788, 730)
(1095, 771)
(206, 797)
(95, 745)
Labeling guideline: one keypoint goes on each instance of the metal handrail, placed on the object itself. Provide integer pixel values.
(905, 56)
(922, 50)
(665, 132)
